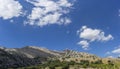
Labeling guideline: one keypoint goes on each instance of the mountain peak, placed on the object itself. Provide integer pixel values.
(37, 47)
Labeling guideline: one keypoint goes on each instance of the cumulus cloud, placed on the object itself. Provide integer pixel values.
(10, 9)
(89, 35)
(48, 12)
(94, 34)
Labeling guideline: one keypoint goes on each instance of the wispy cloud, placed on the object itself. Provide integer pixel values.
(115, 52)
(89, 35)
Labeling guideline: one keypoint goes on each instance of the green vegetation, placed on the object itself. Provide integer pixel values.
(56, 64)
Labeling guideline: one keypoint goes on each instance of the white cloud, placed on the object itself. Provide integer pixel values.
(94, 34)
(48, 12)
(10, 9)
(84, 43)
(116, 51)
(110, 57)
(90, 35)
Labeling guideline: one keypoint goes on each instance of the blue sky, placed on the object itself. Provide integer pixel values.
(27, 23)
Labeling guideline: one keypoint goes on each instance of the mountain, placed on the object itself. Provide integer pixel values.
(14, 60)
(33, 55)
(26, 56)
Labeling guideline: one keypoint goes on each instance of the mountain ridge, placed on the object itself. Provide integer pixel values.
(33, 55)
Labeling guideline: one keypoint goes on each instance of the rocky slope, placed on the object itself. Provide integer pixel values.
(26, 56)
(8, 60)
(32, 55)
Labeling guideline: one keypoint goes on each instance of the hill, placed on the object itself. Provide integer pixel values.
(33, 55)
